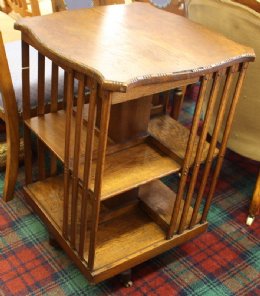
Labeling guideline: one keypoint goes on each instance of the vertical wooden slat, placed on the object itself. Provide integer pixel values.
(54, 108)
(213, 144)
(76, 157)
(87, 166)
(26, 80)
(40, 111)
(24, 5)
(177, 103)
(188, 154)
(35, 7)
(166, 99)
(41, 84)
(65, 89)
(105, 115)
(197, 161)
(54, 87)
(26, 111)
(222, 149)
(69, 95)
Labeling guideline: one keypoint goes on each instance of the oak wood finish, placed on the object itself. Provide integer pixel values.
(161, 126)
(118, 72)
(109, 196)
(157, 246)
(12, 125)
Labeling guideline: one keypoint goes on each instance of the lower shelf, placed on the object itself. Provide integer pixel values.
(122, 242)
(158, 201)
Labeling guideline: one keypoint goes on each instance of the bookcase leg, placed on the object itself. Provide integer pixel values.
(53, 242)
(126, 278)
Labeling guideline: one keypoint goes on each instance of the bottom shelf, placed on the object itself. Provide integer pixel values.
(158, 201)
(123, 241)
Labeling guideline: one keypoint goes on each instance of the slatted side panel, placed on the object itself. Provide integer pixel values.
(187, 159)
(51, 98)
(81, 204)
(226, 85)
(222, 150)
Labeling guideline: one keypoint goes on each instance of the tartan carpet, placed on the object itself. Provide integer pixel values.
(223, 261)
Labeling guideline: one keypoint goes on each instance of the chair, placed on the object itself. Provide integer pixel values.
(12, 123)
(24, 8)
(11, 102)
(59, 5)
(7, 28)
(241, 24)
(174, 6)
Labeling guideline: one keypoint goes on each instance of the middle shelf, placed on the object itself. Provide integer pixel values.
(125, 168)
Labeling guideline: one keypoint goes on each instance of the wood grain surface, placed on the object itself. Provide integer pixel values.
(128, 45)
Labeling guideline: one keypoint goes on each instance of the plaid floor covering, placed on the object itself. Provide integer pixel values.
(223, 261)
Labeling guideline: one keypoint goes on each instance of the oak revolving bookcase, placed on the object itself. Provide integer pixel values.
(107, 206)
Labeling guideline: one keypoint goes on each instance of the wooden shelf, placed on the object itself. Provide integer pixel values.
(174, 136)
(136, 228)
(132, 228)
(125, 169)
(158, 200)
(133, 167)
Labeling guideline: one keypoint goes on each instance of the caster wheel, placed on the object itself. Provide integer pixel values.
(125, 278)
(53, 242)
(128, 284)
(250, 220)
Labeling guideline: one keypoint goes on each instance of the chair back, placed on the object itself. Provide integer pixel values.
(23, 7)
(174, 6)
(59, 5)
(242, 25)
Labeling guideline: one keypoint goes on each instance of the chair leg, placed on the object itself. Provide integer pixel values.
(12, 163)
(254, 209)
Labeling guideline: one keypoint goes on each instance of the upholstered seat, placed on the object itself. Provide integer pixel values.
(13, 52)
